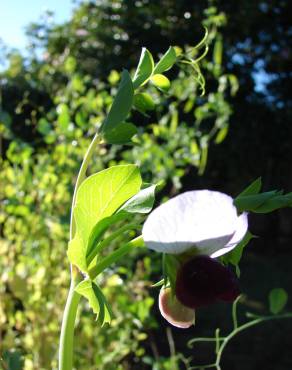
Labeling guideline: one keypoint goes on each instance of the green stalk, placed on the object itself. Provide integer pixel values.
(70, 311)
(67, 330)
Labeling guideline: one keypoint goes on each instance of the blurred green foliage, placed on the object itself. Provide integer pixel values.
(50, 108)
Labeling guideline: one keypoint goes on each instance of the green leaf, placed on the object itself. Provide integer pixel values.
(221, 135)
(252, 202)
(218, 51)
(234, 256)
(144, 69)
(276, 202)
(96, 300)
(63, 116)
(121, 134)
(166, 61)
(144, 102)
(204, 154)
(252, 189)
(98, 197)
(100, 246)
(278, 298)
(142, 202)
(161, 82)
(115, 256)
(121, 105)
(263, 202)
(44, 126)
(101, 227)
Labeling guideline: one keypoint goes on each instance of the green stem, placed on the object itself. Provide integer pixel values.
(203, 339)
(234, 312)
(70, 311)
(67, 330)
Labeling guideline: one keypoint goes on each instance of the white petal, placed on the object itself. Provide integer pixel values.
(203, 219)
(240, 231)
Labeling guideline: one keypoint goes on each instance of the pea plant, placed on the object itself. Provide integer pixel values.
(198, 233)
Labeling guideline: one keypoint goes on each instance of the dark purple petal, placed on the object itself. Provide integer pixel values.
(203, 280)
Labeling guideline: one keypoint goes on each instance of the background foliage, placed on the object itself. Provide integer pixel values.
(51, 104)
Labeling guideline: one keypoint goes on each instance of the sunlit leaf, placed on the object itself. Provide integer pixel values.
(113, 77)
(98, 197)
(63, 116)
(44, 126)
(278, 298)
(234, 84)
(217, 53)
(204, 154)
(144, 69)
(115, 256)
(96, 300)
(178, 51)
(70, 64)
(142, 202)
(100, 228)
(166, 61)
(221, 135)
(161, 82)
(121, 105)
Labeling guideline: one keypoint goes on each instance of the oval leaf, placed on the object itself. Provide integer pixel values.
(142, 202)
(278, 298)
(144, 69)
(161, 82)
(98, 197)
(166, 62)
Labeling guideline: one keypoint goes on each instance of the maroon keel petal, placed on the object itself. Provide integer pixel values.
(203, 280)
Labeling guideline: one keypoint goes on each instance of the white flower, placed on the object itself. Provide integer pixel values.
(203, 221)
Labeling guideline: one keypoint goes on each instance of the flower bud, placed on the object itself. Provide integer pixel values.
(173, 311)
